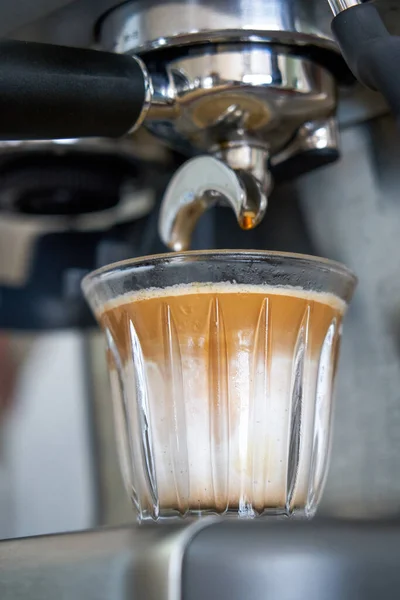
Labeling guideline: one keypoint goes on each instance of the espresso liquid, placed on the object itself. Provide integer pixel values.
(226, 395)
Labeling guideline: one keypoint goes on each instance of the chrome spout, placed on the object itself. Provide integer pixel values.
(203, 182)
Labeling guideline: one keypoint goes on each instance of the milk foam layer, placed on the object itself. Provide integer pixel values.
(224, 287)
(226, 395)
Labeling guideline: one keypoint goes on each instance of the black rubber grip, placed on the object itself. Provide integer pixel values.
(372, 54)
(55, 92)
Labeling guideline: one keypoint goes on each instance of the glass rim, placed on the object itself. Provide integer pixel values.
(316, 261)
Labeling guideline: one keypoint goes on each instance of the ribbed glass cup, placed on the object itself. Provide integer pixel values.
(222, 366)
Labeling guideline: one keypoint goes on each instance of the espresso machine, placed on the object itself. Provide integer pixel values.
(268, 122)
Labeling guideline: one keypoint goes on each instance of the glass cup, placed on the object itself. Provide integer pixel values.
(222, 366)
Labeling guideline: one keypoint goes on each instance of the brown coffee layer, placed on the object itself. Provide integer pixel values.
(191, 309)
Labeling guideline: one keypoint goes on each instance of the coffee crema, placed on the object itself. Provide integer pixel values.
(227, 396)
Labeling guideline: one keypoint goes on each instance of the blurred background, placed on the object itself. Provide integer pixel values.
(58, 463)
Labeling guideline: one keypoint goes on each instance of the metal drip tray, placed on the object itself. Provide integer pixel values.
(215, 560)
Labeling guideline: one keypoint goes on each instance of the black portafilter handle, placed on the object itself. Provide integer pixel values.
(372, 54)
(54, 92)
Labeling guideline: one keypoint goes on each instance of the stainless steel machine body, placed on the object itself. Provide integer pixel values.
(248, 83)
(260, 89)
(232, 81)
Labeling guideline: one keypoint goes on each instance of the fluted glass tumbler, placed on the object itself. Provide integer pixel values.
(222, 366)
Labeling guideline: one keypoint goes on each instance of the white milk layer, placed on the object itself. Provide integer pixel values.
(263, 449)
